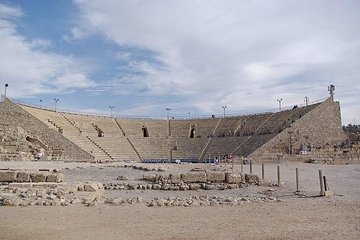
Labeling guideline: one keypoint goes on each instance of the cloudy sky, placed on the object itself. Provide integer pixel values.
(193, 56)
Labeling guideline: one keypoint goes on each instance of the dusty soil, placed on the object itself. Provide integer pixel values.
(296, 216)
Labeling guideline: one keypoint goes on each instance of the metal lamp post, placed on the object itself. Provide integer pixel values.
(111, 110)
(224, 107)
(279, 100)
(306, 99)
(6, 86)
(56, 101)
(168, 112)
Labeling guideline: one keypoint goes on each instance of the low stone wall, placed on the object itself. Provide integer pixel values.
(202, 177)
(194, 180)
(23, 177)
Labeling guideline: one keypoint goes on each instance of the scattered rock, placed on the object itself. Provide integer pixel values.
(252, 178)
(122, 178)
(175, 178)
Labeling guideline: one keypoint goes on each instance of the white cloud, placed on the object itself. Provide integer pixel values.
(240, 53)
(29, 67)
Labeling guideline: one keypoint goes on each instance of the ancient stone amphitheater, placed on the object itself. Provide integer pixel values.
(26, 131)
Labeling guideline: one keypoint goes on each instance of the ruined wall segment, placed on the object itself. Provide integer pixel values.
(57, 147)
(321, 126)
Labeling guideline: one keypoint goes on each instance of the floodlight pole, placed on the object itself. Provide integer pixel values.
(224, 107)
(111, 110)
(168, 112)
(306, 101)
(331, 90)
(279, 100)
(6, 86)
(56, 101)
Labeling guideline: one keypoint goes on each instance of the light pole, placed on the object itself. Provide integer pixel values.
(41, 103)
(224, 107)
(111, 110)
(6, 86)
(188, 115)
(279, 100)
(56, 101)
(168, 112)
(331, 90)
(306, 101)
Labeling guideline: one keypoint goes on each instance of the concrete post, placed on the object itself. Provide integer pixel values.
(297, 179)
(322, 193)
(278, 176)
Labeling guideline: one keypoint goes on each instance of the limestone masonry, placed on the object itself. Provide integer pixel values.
(30, 133)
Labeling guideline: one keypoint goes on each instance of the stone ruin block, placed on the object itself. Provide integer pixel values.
(193, 177)
(8, 176)
(57, 177)
(252, 178)
(149, 177)
(38, 177)
(23, 177)
(92, 186)
(215, 176)
(232, 178)
(195, 186)
(175, 178)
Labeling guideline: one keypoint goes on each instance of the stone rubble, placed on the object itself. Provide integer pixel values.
(193, 180)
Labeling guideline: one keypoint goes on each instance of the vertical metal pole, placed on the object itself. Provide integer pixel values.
(278, 175)
(325, 184)
(297, 179)
(262, 171)
(250, 166)
(321, 183)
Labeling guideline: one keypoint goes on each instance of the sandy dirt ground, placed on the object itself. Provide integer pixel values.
(296, 216)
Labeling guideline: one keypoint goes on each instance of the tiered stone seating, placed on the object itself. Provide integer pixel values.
(275, 123)
(281, 120)
(252, 143)
(56, 120)
(252, 123)
(188, 148)
(113, 142)
(51, 118)
(225, 145)
(118, 148)
(228, 126)
(124, 139)
(132, 127)
(151, 148)
(204, 128)
(181, 128)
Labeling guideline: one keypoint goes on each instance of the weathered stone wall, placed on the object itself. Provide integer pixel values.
(23, 177)
(13, 144)
(202, 177)
(58, 147)
(317, 128)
